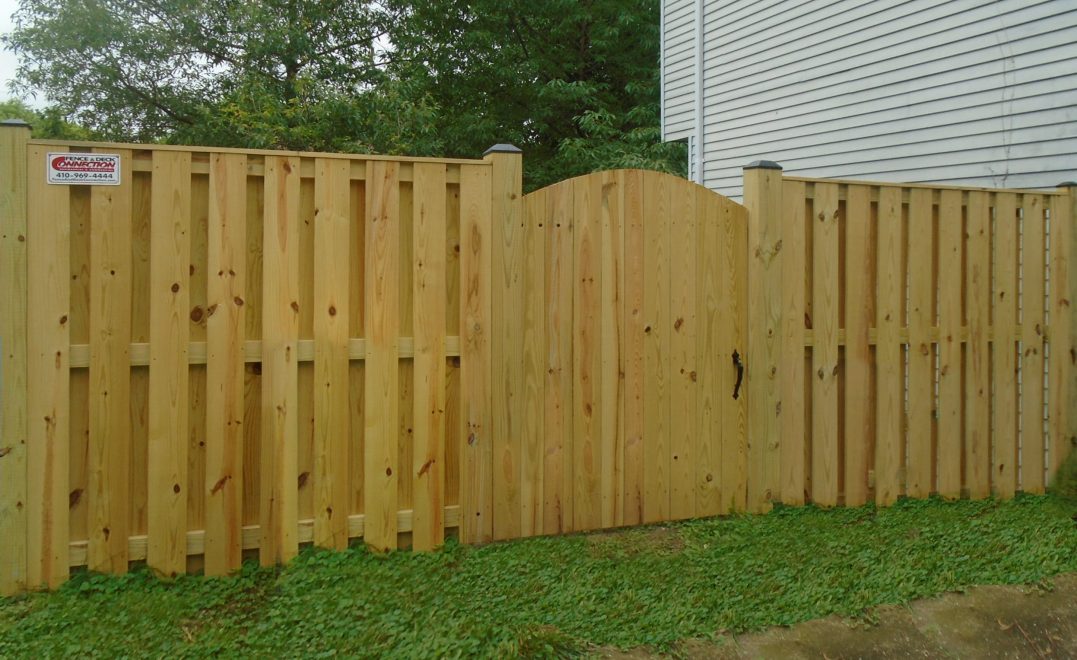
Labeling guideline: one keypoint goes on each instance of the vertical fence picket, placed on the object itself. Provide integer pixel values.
(977, 351)
(656, 336)
(170, 245)
(225, 325)
(280, 337)
(712, 361)
(633, 324)
(587, 357)
(824, 377)
(476, 463)
(859, 315)
(794, 293)
(683, 375)
(332, 429)
(428, 466)
(13, 354)
(1062, 413)
(951, 228)
(889, 446)
(532, 363)
(921, 370)
(1003, 353)
(611, 397)
(1031, 359)
(110, 374)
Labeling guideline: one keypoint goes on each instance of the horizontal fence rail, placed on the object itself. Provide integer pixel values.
(236, 352)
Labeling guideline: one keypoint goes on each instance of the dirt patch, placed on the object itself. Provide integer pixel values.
(984, 622)
(620, 544)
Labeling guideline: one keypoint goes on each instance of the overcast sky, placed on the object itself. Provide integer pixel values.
(7, 58)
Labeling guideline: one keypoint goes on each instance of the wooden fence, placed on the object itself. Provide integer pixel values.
(240, 351)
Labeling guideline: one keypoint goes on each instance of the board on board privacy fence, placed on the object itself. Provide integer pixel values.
(237, 351)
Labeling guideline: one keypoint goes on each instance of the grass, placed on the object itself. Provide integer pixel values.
(559, 596)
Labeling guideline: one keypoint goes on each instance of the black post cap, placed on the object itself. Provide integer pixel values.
(14, 123)
(502, 148)
(1067, 184)
(762, 165)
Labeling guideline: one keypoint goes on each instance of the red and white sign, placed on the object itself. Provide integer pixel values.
(84, 169)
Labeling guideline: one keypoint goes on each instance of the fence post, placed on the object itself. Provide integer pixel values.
(506, 336)
(1062, 378)
(13, 137)
(763, 198)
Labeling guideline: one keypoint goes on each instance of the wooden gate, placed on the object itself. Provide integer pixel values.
(622, 324)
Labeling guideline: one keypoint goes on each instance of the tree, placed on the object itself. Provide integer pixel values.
(273, 73)
(48, 124)
(574, 83)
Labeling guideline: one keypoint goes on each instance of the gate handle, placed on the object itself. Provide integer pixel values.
(739, 364)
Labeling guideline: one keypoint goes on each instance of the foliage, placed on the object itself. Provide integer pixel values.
(48, 124)
(274, 73)
(557, 596)
(574, 84)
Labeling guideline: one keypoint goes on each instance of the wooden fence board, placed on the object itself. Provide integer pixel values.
(921, 376)
(611, 321)
(951, 277)
(634, 372)
(476, 463)
(382, 322)
(559, 284)
(1062, 420)
(533, 367)
(1033, 322)
(332, 429)
(824, 440)
(794, 266)
(110, 377)
(48, 378)
(170, 245)
(225, 335)
(712, 361)
(1003, 354)
(280, 335)
(859, 316)
(977, 351)
(888, 350)
(428, 505)
(683, 375)
(13, 355)
(587, 356)
(657, 326)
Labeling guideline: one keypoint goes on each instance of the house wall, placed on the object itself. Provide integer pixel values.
(965, 92)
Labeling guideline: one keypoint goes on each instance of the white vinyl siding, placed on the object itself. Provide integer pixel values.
(678, 69)
(920, 90)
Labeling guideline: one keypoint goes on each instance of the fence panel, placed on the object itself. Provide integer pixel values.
(238, 350)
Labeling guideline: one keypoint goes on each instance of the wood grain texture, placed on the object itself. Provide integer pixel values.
(951, 279)
(713, 361)
(733, 332)
(824, 438)
(612, 349)
(13, 355)
(587, 356)
(682, 345)
(280, 378)
(890, 444)
(476, 461)
(382, 315)
(428, 263)
(225, 334)
(921, 376)
(170, 256)
(794, 267)
(977, 351)
(763, 198)
(558, 471)
(508, 299)
(48, 379)
(656, 334)
(1004, 353)
(533, 364)
(110, 377)
(634, 373)
(1062, 418)
(859, 317)
(1031, 360)
(331, 307)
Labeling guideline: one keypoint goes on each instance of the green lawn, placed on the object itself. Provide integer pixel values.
(647, 586)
